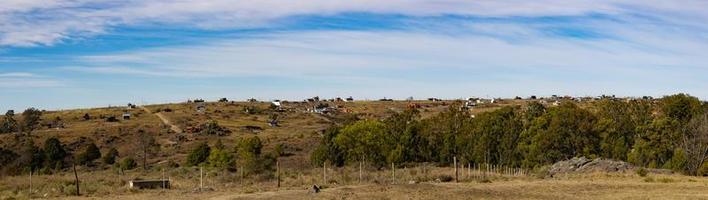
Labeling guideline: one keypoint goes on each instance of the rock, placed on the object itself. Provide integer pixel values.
(412, 182)
(583, 165)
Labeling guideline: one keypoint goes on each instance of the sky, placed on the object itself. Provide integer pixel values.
(63, 54)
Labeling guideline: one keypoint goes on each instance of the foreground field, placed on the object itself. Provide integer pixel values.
(598, 186)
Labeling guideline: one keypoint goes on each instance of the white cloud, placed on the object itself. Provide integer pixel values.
(20, 80)
(16, 75)
(46, 22)
(332, 55)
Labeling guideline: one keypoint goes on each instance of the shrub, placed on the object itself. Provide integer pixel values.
(666, 180)
(703, 171)
(54, 151)
(128, 163)
(110, 157)
(198, 155)
(89, 155)
(221, 159)
(213, 128)
(445, 178)
(642, 172)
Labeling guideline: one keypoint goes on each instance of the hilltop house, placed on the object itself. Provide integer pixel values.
(126, 116)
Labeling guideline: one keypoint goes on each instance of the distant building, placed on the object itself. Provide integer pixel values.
(126, 116)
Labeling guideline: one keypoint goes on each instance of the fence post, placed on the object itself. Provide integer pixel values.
(76, 177)
(277, 169)
(201, 179)
(30, 192)
(360, 166)
(454, 161)
(324, 172)
(393, 171)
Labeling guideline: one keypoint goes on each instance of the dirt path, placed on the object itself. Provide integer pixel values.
(164, 120)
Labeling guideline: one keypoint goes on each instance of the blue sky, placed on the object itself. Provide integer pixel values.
(59, 54)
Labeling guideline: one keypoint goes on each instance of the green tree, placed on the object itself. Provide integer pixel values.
(250, 157)
(7, 157)
(364, 138)
(616, 128)
(681, 107)
(495, 136)
(8, 124)
(655, 146)
(198, 155)
(90, 154)
(54, 152)
(30, 119)
(328, 150)
(221, 159)
(561, 133)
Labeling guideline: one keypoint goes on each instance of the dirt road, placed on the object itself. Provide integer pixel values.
(164, 120)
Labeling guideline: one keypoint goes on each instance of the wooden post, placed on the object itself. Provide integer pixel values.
(30, 192)
(454, 161)
(393, 175)
(201, 179)
(469, 169)
(324, 173)
(360, 170)
(277, 169)
(76, 177)
(163, 178)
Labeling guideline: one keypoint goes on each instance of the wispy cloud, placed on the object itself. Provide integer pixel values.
(19, 80)
(17, 75)
(39, 22)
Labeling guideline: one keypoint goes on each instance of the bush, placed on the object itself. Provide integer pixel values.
(703, 171)
(128, 164)
(221, 159)
(110, 157)
(89, 155)
(445, 178)
(642, 172)
(198, 155)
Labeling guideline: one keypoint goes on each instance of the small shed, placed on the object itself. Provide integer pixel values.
(149, 184)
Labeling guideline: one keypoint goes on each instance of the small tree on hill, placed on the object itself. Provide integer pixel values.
(30, 119)
(8, 124)
(146, 144)
(198, 155)
(54, 152)
(128, 163)
(90, 154)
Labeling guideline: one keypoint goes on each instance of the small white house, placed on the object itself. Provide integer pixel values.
(126, 116)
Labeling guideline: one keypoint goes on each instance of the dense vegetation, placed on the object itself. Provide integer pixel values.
(669, 133)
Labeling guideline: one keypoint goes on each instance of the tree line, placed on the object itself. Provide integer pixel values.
(669, 133)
